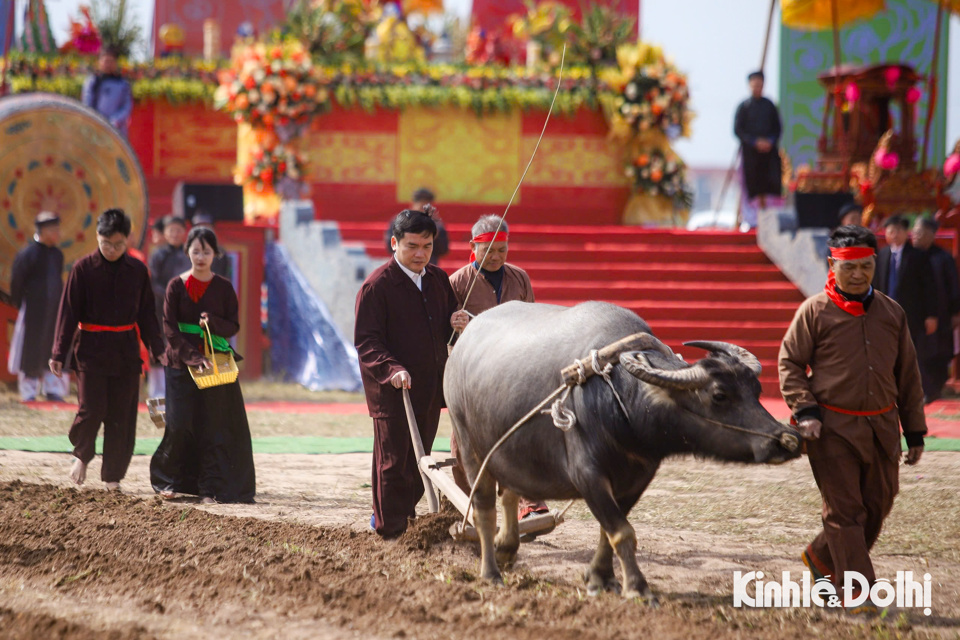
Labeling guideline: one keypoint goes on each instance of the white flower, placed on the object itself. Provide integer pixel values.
(631, 92)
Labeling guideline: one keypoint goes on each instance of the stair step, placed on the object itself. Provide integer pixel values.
(374, 231)
(723, 331)
(540, 271)
(618, 292)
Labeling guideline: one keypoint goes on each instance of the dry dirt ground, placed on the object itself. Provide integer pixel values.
(301, 563)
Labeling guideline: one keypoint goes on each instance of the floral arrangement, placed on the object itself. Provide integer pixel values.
(84, 37)
(546, 23)
(271, 168)
(332, 29)
(656, 173)
(271, 84)
(600, 33)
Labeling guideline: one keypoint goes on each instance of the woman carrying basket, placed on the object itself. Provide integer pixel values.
(206, 447)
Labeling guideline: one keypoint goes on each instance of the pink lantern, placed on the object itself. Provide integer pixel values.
(952, 165)
(891, 75)
(913, 95)
(887, 160)
(852, 92)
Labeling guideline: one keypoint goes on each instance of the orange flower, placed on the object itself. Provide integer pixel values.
(642, 160)
(242, 102)
(309, 91)
(656, 109)
(656, 175)
(290, 84)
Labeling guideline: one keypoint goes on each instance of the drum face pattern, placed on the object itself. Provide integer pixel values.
(57, 155)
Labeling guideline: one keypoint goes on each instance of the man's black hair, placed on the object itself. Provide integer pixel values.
(755, 74)
(172, 219)
(113, 221)
(852, 235)
(423, 195)
(207, 239)
(157, 225)
(929, 224)
(415, 222)
(898, 220)
(850, 207)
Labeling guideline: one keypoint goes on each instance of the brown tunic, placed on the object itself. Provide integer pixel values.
(516, 286)
(857, 363)
(860, 363)
(219, 301)
(112, 294)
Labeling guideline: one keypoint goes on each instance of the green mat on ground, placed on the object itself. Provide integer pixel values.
(283, 444)
(303, 444)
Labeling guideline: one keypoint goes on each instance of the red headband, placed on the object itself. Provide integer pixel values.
(490, 236)
(850, 253)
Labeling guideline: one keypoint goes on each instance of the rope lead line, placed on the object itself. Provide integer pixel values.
(533, 155)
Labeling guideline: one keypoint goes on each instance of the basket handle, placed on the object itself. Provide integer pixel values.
(208, 346)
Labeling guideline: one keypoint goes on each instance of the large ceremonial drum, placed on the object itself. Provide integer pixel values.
(60, 156)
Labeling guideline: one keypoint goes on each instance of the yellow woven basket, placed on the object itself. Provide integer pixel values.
(224, 369)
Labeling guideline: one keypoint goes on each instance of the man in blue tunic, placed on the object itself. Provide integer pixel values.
(109, 93)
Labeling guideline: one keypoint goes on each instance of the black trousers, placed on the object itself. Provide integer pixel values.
(110, 400)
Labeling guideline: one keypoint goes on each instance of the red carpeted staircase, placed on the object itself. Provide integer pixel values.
(704, 285)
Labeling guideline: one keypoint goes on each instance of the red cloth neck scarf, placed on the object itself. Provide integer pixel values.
(196, 288)
(853, 307)
(490, 236)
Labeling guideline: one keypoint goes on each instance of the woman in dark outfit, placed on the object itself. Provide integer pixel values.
(206, 447)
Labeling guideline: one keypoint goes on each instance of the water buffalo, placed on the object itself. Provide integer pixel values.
(508, 360)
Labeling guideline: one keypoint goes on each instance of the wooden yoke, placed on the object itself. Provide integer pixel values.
(611, 353)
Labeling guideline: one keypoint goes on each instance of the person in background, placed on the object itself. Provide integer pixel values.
(423, 197)
(496, 282)
(405, 311)
(166, 263)
(108, 93)
(156, 233)
(903, 273)
(106, 300)
(36, 282)
(936, 350)
(221, 263)
(848, 372)
(850, 213)
(757, 126)
(206, 448)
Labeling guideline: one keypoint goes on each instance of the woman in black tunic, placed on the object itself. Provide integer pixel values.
(206, 447)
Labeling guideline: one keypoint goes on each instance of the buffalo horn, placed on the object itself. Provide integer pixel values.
(683, 379)
(749, 360)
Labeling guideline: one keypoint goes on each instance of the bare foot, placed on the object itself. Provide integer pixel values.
(168, 495)
(208, 500)
(111, 486)
(78, 472)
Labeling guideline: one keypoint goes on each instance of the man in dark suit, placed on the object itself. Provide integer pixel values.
(405, 311)
(904, 274)
(937, 350)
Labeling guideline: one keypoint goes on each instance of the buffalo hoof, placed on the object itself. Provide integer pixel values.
(597, 584)
(648, 599)
(493, 578)
(506, 558)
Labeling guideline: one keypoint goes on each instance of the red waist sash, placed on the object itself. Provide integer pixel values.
(847, 412)
(86, 326)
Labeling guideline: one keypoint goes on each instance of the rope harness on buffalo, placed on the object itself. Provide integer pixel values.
(628, 353)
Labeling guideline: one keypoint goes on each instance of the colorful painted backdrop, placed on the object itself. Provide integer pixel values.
(902, 33)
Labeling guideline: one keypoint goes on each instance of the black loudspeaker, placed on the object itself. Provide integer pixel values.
(820, 209)
(222, 201)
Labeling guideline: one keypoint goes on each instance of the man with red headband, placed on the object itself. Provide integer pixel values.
(484, 283)
(863, 385)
